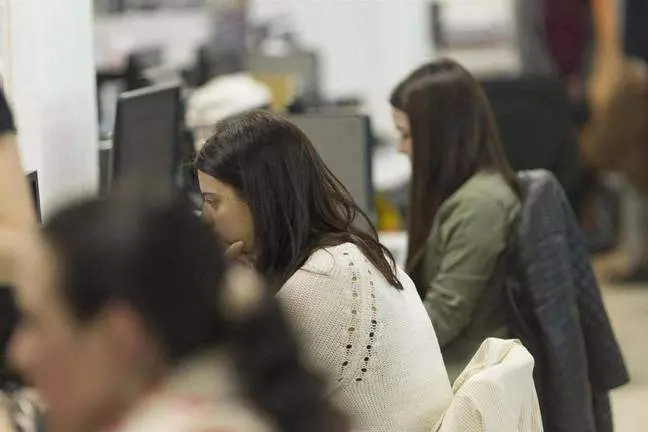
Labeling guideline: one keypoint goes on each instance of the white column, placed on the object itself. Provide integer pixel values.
(53, 94)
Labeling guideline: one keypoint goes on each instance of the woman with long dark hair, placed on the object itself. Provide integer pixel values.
(271, 198)
(463, 205)
(132, 320)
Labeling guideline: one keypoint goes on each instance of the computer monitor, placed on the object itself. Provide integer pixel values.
(344, 143)
(146, 142)
(32, 179)
(302, 66)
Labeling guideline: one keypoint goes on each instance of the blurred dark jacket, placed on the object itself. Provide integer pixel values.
(558, 312)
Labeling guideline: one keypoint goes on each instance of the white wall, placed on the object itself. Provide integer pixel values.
(53, 93)
(366, 45)
(179, 33)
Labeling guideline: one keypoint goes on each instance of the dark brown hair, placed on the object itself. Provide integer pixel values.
(453, 137)
(154, 254)
(297, 204)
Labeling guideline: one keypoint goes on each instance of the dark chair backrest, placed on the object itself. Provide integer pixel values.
(535, 123)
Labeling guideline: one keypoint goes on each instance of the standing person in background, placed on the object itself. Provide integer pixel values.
(269, 195)
(635, 42)
(616, 138)
(555, 41)
(132, 320)
(568, 30)
(464, 203)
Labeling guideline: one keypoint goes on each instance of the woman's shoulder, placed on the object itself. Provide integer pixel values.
(483, 194)
(334, 267)
(328, 261)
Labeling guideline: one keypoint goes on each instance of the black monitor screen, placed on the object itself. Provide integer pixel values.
(147, 133)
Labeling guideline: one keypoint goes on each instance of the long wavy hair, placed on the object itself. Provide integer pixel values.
(454, 136)
(297, 204)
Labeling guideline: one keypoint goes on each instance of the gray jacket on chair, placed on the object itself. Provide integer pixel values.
(561, 316)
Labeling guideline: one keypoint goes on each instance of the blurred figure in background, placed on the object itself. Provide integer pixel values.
(131, 320)
(271, 198)
(616, 139)
(556, 41)
(569, 37)
(635, 42)
(463, 206)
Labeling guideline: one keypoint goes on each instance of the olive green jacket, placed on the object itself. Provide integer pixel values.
(464, 267)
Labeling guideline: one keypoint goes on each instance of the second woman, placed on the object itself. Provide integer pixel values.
(362, 325)
(464, 204)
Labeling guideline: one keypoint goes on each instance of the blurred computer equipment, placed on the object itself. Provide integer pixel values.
(344, 142)
(481, 35)
(147, 133)
(301, 66)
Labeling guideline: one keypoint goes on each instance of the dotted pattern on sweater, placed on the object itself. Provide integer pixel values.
(352, 337)
(368, 341)
(371, 344)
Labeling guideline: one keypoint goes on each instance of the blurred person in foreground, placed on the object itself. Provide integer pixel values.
(269, 195)
(17, 222)
(463, 206)
(17, 216)
(132, 320)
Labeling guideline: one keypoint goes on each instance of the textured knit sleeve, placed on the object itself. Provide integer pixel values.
(473, 236)
(6, 119)
(328, 303)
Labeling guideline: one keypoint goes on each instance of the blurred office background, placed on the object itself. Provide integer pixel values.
(95, 68)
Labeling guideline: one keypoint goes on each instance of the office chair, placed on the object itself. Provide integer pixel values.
(535, 121)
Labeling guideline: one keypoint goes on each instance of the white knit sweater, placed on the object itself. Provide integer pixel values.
(373, 342)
